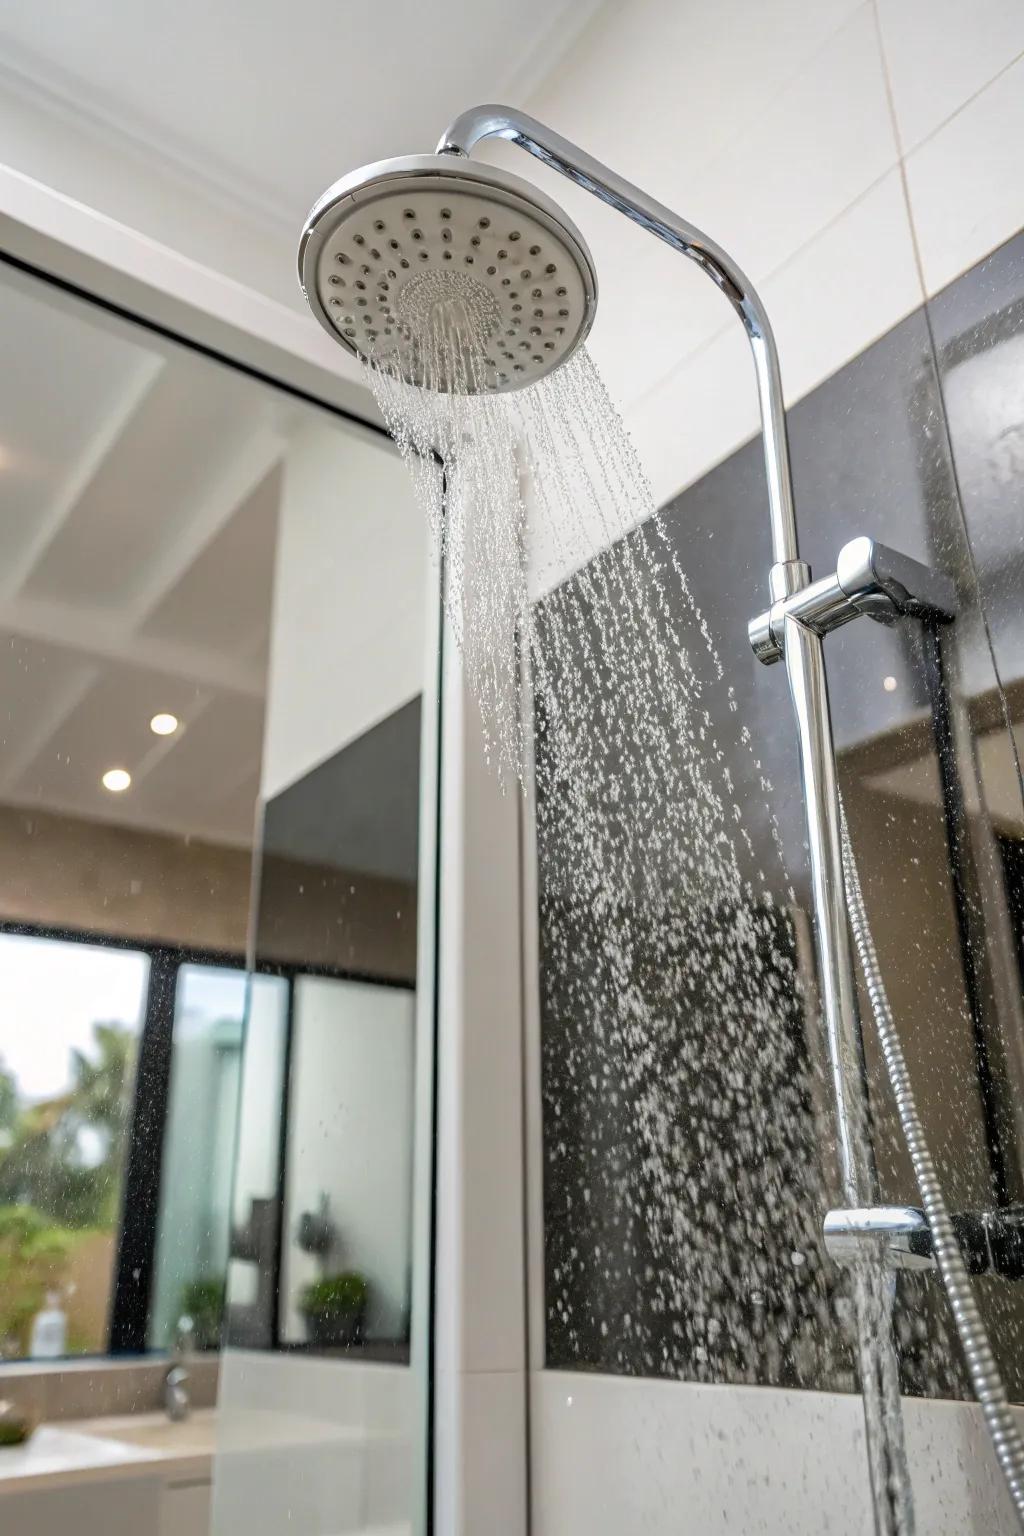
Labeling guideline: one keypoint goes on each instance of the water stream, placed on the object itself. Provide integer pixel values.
(669, 950)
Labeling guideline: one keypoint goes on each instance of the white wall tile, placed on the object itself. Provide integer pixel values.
(843, 290)
(698, 416)
(826, 139)
(480, 1446)
(494, 1481)
(613, 1454)
(480, 1231)
(942, 52)
(757, 123)
(967, 182)
(324, 1445)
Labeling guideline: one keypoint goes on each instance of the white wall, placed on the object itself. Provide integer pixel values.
(853, 156)
(351, 1109)
(350, 592)
(480, 1323)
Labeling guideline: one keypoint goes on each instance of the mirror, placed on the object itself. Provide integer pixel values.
(196, 1150)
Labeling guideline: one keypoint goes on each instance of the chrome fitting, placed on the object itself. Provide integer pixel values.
(901, 1232)
(869, 579)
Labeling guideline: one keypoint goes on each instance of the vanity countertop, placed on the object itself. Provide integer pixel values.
(151, 1445)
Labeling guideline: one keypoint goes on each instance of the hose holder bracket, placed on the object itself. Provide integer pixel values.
(992, 1242)
(870, 579)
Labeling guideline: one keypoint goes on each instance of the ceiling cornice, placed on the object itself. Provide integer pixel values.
(82, 108)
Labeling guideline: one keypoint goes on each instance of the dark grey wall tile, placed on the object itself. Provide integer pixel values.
(871, 455)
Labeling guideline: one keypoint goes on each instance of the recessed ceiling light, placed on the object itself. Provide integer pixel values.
(164, 725)
(889, 684)
(116, 780)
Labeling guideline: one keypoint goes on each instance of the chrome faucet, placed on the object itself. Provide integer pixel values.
(177, 1398)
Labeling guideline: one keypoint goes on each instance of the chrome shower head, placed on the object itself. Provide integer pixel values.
(389, 247)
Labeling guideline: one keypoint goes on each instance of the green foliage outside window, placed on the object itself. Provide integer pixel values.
(60, 1175)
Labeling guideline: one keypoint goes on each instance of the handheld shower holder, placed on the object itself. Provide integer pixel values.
(869, 579)
(992, 1242)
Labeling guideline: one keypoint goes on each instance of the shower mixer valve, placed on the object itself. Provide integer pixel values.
(869, 579)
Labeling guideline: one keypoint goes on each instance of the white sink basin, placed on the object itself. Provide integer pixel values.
(194, 1436)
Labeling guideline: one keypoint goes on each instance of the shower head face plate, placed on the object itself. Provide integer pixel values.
(398, 250)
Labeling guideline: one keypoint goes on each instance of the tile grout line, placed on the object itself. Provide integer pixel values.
(901, 159)
(723, 152)
(761, 284)
(967, 102)
(900, 164)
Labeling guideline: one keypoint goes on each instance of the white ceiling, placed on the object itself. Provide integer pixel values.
(139, 487)
(258, 104)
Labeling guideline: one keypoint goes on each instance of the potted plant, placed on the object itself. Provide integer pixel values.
(333, 1309)
(203, 1301)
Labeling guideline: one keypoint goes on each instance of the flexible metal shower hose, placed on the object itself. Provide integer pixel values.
(982, 1369)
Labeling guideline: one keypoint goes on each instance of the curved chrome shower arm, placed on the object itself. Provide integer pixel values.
(494, 122)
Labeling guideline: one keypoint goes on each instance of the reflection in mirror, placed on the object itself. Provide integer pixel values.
(71, 1019)
(194, 1150)
(141, 485)
(338, 926)
(348, 1192)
